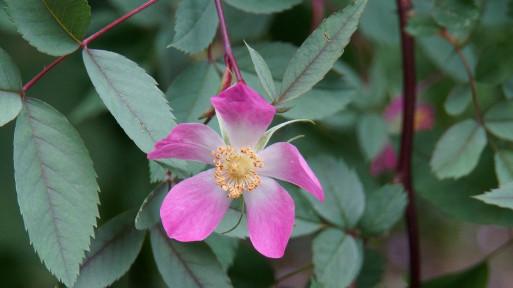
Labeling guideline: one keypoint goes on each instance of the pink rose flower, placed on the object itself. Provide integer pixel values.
(194, 207)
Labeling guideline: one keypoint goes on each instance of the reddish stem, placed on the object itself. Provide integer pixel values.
(86, 41)
(42, 73)
(229, 58)
(403, 171)
(115, 23)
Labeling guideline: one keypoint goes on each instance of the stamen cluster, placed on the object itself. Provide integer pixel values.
(235, 170)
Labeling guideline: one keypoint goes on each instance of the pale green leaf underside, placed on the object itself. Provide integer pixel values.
(133, 98)
(269, 133)
(186, 264)
(502, 196)
(318, 53)
(55, 27)
(56, 186)
(371, 131)
(384, 208)
(263, 72)
(113, 250)
(10, 106)
(224, 248)
(337, 258)
(149, 213)
(343, 203)
(190, 92)
(263, 6)
(457, 151)
(504, 166)
(458, 99)
(196, 25)
(499, 120)
(10, 79)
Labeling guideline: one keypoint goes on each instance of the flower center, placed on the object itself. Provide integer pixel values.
(235, 170)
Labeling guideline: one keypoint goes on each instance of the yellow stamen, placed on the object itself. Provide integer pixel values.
(235, 170)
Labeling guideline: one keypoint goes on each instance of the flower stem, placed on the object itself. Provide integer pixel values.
(403, 171)
(457, 48)
(229, 58)
(240, 218)
(86, 41)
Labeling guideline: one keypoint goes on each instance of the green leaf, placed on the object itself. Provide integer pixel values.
(372, 269)
(495, 64)
(190, 264)
(157, 172)
(458, 99)
(337, 258)
(56, 186)
(453, 197)
(113, 250)
(499, 120)
(474, 277)
(372, 134)
(380, 24)
(504, 166)
(442, 54)
(10, 87)
(455, 14)
(149, 213)
(263, 6)
(344, 198)
(224, 248)
(502, 196)
(54, 27)
(132, 97)
(10, 106)
(384, 207)
(249, 26)
(318, 53)
(263, 72)
(269, 133)
(191, 91)
(422, 25)
(306, 221)
(457, 152)
(196, 25)
(333, 89)
(10, 78)
(507, 88)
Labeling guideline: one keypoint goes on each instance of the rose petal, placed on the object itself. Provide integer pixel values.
(246, 114)
(188, 141)
(193, 208)
(283, 161)
(270, 213)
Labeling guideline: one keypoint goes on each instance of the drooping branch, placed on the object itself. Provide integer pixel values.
(466, 65)
(87, 41)
(403, 171)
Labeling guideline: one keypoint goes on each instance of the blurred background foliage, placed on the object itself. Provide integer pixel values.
(448, 242)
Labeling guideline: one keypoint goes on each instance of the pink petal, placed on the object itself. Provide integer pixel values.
(385, 161)
(270, 212)
(394, 109)
(283, 161)
(188, 141)
(193, 208)
(246, 114)
(424, 117)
